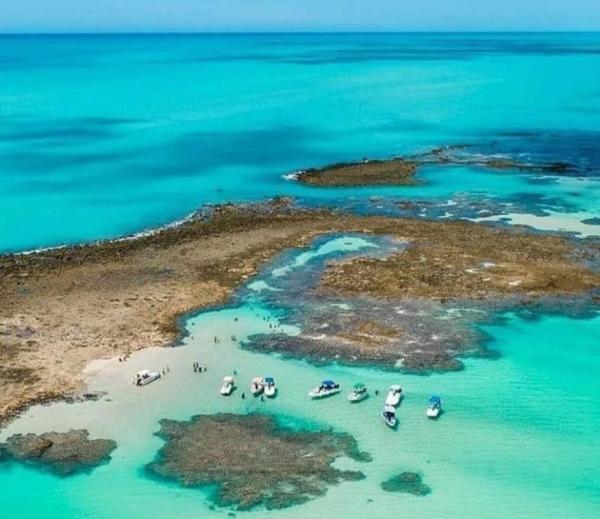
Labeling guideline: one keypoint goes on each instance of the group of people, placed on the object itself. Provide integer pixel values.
(198, 368)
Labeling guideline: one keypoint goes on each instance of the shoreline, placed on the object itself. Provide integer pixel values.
(62, 308)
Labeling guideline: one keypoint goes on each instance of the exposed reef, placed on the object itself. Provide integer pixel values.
(63, 454)
(408, 483)
(253, 461)
(401, 171)
(396, 171)
(61, 308)
(413, 307)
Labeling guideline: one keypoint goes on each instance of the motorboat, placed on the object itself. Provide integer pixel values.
(359, 392)
(394, 395)
(257, 385)
(435, 407)
(388, 415)
(145, 376)
(228, 386)
(327, 388)
(270, 388)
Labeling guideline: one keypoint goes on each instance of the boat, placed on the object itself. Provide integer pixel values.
(327, 388)
(145, 376)
(359, 392)
(270, 388)
(388, 415)
(228, 386)
(435, 407)
(257, 386)
(394, 395)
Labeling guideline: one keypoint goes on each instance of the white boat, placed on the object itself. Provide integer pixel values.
(228, 386)
(359, 392)
(144, 377)
(394, 395)
(257, 385)
(327, 388)
(388, 415)
(435, 407)
(270, 388)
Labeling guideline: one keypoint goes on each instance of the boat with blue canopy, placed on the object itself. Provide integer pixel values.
(270, 388)
(435, 406)
(327, 388)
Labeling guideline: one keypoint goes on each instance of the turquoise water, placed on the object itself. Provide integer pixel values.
(519, 432)
(103, 136)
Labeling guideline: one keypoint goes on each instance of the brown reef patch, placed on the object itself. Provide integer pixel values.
(408, 483)
(253, 461)
(396, 171)
(61, 453)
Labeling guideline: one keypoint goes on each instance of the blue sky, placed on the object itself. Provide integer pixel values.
(296, 15)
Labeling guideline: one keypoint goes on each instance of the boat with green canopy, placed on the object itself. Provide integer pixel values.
(359, 392)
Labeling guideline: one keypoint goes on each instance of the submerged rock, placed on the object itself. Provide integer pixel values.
(407, 482)
(62, 453)
(252, 460)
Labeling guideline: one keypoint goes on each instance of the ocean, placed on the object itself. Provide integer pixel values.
(110, 135)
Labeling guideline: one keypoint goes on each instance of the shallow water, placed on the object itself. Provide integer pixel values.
(103, 136)
(519, 432)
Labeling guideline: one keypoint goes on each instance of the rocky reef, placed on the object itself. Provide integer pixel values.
(401, 171)
(62, 454)
(408, 483)
(396, 171)
(412, 299)
(251, 460)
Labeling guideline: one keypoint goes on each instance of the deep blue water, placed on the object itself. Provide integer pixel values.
(102, 136)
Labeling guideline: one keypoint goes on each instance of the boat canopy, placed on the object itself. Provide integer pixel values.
(269, 380)
(328, 383)
(434, 399)
(359, 386)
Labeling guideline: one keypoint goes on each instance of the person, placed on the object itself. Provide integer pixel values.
(243, 396)
(377, 391)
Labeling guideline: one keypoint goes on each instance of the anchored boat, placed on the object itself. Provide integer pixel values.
(394, 395)
(388, 415)
(144, 377)
(327, 388)
(359, 392)
(257, 386)
(435, 407)
(228, 386)
(270, 388)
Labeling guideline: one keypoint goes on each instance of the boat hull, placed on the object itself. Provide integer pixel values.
(353, 397)
(316, 394)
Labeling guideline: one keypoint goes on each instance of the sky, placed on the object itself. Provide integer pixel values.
(297, 15)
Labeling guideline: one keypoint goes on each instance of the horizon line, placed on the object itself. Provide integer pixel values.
(288, 32)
